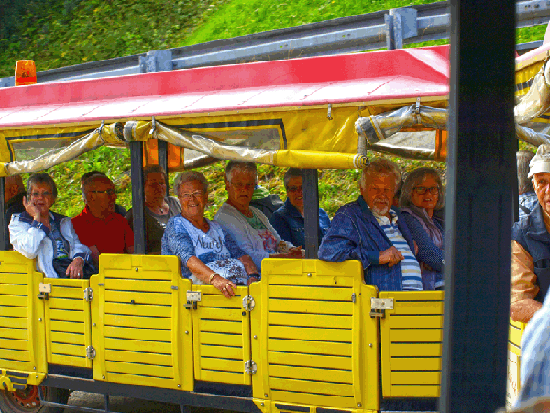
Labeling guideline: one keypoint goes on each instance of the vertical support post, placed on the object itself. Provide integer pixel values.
(388, 19)
(397, 28)
(163, 159)
(138, 198)
(310, 192)
(480, 170)
(5, 236)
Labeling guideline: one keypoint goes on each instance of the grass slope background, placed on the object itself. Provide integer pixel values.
(57, 33)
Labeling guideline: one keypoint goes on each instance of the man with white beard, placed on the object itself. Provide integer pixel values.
(371, 231)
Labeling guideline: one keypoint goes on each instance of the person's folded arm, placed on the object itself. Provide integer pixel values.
(428, 252)
(524, 288)
(243, 241)
(342, 242)
(26, 239)
(281, 226)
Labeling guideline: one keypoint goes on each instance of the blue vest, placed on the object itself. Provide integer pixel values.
(532, 235)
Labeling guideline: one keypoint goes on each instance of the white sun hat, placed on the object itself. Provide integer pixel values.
(541, 161)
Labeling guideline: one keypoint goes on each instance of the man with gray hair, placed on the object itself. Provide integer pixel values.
(530, 245)
(527, 197)
(371, 231)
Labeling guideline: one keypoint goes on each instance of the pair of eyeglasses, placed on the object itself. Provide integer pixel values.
(295, 188)
(40, 194)
(421, 190)
(196, 194)
(109, 192)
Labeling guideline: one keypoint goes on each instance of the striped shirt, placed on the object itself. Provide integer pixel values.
(411, 277)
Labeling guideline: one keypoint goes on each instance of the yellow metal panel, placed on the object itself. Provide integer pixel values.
(136, 333)
(308, 386)
(138, 298)
(138, 285)
(309, 306)
(14, 300)
(138, 357)
(19, 312)
(68, 350)
(67, 304)
(13, 344)
(69, 338)
(66, 315)
(415, 377)
(292, 291)
(14, 355)
(13, 322)
(411, 344)
(221, 346)
(309, 335)
(370, 345)
(308, 373)
(140, 369)
(140, 322)
(12, 289)
(416, 364)
(56, 325)
(312, 347)
(325, 334)
(222, 326)
(13, 333)
(311, 320)
(141, 310)
(419, 335)
(313, 399)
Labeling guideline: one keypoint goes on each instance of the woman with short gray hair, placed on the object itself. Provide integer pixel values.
(207, 252)
(422, 200)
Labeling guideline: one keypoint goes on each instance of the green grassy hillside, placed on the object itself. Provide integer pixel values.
(57, 33)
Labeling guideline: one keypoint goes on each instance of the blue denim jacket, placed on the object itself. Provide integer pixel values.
(289, 224)
(356, 235)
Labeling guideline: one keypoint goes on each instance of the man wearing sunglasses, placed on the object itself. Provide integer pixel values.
(98, 226)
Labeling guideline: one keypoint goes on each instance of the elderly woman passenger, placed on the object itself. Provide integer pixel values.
(422, 202)
(288, 220)
(208, 254)
(39, 232)
(159, 207)
(250, 227)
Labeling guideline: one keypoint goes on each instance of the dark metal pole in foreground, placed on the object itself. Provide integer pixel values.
(480, 170)
(163, 159)
(310, 192)
(138, 199)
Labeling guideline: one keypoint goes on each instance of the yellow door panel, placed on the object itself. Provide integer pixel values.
(313, 341)
(66, 304)
(69, 338)
(513, 383)
(220, 355)
(141, 330)
(66, 326)
(22, 327)
(411, 337)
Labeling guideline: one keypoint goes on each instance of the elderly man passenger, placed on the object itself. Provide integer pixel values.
(98, 226)
(371, 231)
(421, 203)
(159, 207)
(40, 233)
(208, 254)
(288, 220)
(250, 227)
(530, 245)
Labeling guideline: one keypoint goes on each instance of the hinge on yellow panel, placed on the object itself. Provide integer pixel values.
(44, 291)
(88, 294)
(249, 303)
(90, 352)
(250, 367)
(378, 306)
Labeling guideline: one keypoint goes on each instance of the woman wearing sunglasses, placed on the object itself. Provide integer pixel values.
(421, 204)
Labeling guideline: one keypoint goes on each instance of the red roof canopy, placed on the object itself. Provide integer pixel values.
(358, 77)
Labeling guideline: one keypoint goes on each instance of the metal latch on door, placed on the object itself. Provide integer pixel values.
(193, 297)
(378, 306)
(44, 291)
